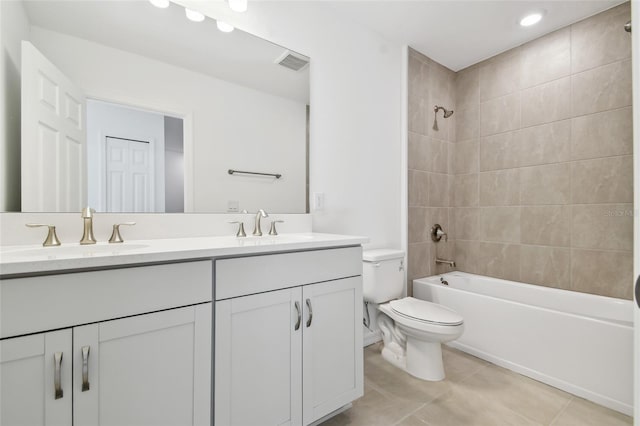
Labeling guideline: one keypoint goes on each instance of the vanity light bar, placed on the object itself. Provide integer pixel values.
(195, 16)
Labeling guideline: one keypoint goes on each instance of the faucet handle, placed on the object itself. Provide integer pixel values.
(115, 235)
(52, 238)
(272, 230)
(240, 232)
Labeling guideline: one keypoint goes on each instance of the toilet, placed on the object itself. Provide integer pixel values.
(412, 329)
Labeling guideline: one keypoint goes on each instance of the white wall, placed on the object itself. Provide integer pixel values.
(104, 119)
(14, 28)
(356, 101)
(233, 127)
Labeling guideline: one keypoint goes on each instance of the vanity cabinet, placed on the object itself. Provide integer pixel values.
(288, 336)
(123, 361)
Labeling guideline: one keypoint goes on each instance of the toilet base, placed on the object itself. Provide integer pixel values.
(424, 360)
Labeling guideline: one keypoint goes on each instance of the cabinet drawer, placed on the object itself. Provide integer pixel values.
(256, 274)
(29, 305)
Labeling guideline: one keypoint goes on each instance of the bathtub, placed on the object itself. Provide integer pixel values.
(577, 342)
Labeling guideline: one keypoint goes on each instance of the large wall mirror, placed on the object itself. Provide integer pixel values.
(131, 108)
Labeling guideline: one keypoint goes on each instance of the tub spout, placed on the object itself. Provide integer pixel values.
(451, 263)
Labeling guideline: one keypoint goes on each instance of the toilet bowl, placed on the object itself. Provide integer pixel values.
(412, 329)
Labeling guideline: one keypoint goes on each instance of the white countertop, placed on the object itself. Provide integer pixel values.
(29, 259)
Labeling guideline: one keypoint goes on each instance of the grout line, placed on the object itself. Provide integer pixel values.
(562, 410)
(411, 414)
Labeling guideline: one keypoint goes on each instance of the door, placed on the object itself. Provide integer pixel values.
(332, 346)
(53, 147)
(130, 175)
(152, 369)
(258, 360)
(35, 380)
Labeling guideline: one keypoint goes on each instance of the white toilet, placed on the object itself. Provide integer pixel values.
(412, 329)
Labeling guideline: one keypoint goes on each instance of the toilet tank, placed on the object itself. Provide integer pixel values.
(382, 275)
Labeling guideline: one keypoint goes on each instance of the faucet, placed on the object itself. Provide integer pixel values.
(451, 263)
(87, 235)
(256, 229)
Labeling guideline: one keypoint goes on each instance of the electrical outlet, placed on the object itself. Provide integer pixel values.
(233, 206)
(318, 201)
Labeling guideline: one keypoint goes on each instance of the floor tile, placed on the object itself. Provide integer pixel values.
(581, 412)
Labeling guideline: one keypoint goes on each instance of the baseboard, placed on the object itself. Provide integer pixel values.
(372, 337)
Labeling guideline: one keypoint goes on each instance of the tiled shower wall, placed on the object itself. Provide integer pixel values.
(541, 167)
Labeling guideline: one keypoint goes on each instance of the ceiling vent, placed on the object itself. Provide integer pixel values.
(293, 61)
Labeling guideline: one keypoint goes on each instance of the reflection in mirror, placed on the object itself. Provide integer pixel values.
(127, 107)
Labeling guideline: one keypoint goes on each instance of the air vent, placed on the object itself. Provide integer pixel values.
(293, 61)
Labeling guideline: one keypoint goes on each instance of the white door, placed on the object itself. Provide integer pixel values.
(635, 11)
(129, 175)
(332, 346)
(30, 392)
(258, 360)
(152, 369)
(53, 146)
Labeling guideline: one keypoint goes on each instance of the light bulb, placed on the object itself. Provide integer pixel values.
(531, 19)
(238, 5)
(224, 27)
(162, 4)
(194, 15)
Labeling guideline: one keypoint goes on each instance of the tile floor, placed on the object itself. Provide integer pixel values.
(474, 392)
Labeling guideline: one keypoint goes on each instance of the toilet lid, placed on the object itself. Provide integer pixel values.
(422, 310)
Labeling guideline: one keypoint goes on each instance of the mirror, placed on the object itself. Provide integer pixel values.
(130, 108)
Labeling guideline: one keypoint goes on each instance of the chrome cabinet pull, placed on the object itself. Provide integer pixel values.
(85, 368)
(299, 320)
(57, 382)
(310, 313)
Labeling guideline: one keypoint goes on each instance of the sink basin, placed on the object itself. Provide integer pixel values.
(76, 250)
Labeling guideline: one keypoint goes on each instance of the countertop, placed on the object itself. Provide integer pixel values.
(35, 259)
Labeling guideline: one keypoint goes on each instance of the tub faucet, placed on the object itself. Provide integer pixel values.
(451, 263)
(87, 235)
(257, 231)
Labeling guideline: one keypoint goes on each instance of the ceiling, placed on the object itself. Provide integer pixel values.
(458, 34)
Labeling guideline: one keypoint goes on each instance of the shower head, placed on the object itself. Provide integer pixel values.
(447, 113)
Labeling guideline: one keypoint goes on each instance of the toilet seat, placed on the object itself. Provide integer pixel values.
(425, 312)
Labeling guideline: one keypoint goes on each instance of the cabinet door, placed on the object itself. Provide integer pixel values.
(258, 364)
(332, 346)
(29, 369)
(152, 369)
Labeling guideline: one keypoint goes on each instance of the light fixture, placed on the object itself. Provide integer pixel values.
(224, 27)
(238, 5)
(162, 4)
(194, 15)
(531, 19)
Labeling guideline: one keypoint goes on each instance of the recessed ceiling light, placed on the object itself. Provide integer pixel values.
(162, 4)
(224, 27)
(238, 5)
(194, 15)
(531, 19)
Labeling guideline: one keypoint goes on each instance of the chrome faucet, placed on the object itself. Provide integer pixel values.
(87, 235)
(257, 231)
(451, 263)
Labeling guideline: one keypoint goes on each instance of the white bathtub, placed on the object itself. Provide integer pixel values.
(577, 342)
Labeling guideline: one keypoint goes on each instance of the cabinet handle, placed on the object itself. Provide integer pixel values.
(299, 320)
(85, 368)
(310, 313)
(57, 359)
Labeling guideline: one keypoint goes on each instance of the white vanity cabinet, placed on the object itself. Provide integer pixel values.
(288, 336)
(135, 346)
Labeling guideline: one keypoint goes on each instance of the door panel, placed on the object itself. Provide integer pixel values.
(130, 174)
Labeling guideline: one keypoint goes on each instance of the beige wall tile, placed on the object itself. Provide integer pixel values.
(546, 144)
(465, 190)
(603, 134)
(608, 273)
(603, 180)
(500, 188)
(417, 95)
(418, 259)
(437, 155)
(500, 115)
(500, 76)
(548, 266)
(547, 58)
(438, 190)
(467, 123)
(550, 184)
(546, 225)
(546, 103)
(499, 260)
(501, 151)
(418, 188)
(464, 157)
(418, 152)
(467, 88)
(465, 223)
(500, 224)
(418, 219)
(598, 40)
(602, 226)
(466, 256)
(603, 88)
